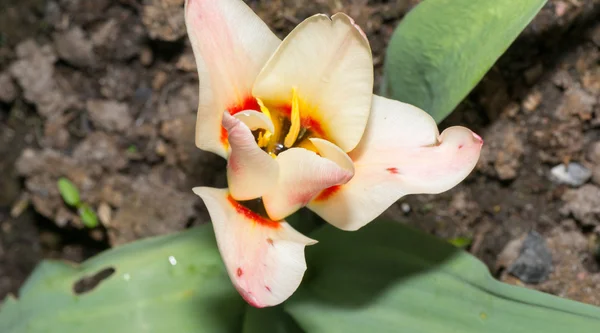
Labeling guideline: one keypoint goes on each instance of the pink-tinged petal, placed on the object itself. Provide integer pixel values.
(401, 153)
(251, 172)
(264, 258)
(302, 175)
(329, 62)
(231, 44)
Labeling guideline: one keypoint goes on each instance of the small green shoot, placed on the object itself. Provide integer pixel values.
(132, 149)
(461, 242)
(69, 192)
(88, 216)
(70, 195)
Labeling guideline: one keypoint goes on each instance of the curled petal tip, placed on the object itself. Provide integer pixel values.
(354, 24)
(250, 299)
(478, 138)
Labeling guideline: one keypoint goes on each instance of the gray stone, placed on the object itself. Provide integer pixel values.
(573, 174)
(534, 263)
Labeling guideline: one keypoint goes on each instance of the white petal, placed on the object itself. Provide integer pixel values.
(302, 175)
(251, 172)
(264, 259)
(400, 154)
(231, 44)
(255, 120)
(329, 62)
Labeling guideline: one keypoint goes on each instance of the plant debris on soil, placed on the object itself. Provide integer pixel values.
(104, 93)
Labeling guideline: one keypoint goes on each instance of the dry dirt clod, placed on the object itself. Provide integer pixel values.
(583, 203)
(121, 37)
(533, 74)
(34, 71)
(101, 149)
(576, 102)
(56, 134)
(8, 90)
(119, 82)
(164, 19)
(146, 56)
(593, 155)
(532, 101)
(74, 47)
(502, 158)
(109, 115)
(186, 62)
(151, 209)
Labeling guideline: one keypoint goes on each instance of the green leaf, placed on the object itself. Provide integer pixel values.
(173, 283)
(69, 192)
(388, 277)
(88, 216)
(271, 320)
(442, 48)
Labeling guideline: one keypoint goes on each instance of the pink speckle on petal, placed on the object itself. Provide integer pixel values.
(268, 289)
(239, 272)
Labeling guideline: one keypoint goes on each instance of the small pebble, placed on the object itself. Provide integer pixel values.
(573, 174)
(405, 208)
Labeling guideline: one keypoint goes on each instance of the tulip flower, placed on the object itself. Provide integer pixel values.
(300, 127)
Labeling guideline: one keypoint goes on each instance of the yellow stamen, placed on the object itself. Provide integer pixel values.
(292, 135)
(263, 140)
(264, 109)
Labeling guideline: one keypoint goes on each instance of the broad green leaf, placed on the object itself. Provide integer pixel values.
(88, 216)
(173, 283)
(388, 277)
(442, 48)
(269, 320)
(68, 191)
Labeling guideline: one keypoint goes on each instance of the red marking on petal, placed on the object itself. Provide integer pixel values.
(313, 125)
(250, 215)
(393, 171)
(327, 193)
(270, 241)
(460, 146)
(248, 103)
(239, 272)
(224, 136)
(268, 289)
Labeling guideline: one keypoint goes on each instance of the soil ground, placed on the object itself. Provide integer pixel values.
(104, 92)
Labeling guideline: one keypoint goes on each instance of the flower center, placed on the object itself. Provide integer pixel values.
(288, 128)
